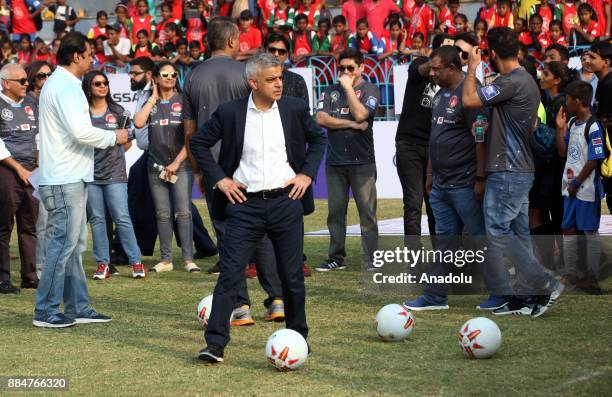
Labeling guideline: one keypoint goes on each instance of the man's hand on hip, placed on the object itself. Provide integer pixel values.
(232, 190)
(300, 184)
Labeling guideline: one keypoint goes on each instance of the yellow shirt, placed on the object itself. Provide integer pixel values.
(524, 7)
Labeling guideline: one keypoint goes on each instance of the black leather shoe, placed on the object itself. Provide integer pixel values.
(7, 288)
(29, 284)
(211, 354)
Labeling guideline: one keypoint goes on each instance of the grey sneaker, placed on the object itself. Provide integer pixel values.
(276, 311)
(241, 316)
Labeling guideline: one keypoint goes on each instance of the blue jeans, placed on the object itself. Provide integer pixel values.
(113, 196)
(173, 200)
(41, 230)
(66, 239)
(459, 222)
(506, 205)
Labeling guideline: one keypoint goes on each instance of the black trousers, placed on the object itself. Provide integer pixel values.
(411, 160)
(282, 220)
(142, 212)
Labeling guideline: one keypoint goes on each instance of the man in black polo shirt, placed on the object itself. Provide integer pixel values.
(347, 110)
(18, 129)
(411, 142)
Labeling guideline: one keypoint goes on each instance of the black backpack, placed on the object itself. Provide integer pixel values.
(38, 21)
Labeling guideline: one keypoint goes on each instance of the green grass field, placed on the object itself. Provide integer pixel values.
(149, 348)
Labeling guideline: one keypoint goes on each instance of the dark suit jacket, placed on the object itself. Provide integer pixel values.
(227, 124)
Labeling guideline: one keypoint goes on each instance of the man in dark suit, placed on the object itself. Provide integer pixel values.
(262, 186)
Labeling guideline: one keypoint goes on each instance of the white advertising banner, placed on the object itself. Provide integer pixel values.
(400, 78)
(306, 73)
(387, 183)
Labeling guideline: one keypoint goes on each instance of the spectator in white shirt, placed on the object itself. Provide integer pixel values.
(67, 142)
(116, 48)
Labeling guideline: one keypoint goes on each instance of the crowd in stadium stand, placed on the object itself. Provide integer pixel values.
(176, 30)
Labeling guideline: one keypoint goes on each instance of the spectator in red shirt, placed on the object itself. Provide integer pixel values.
(600, 10)
(171, 33)
(25, 53)
(546, 11)
(302, 40)
(480, 30)
(394, 41)
(520, 25)
(487, 11)
(23, 20)
(557, 36)
(461, 24)
(421, 20)
(121, 12)
(224, 9)
(250, 37)
(166, 11)
(143, 20)
(535, 38)
(503, 16)
(41, 50)
(100, 28)
(343, 38)
(353, 10)
(377, 11)
(311, 10)
(144, 48)
(444, 17)
(587, 29)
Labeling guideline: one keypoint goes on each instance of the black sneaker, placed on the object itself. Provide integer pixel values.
(92, 317)
(204, 254)
(119, 258)
(543, 302)
(7, 288)
(29, 284)
(516, 306)
(216, 269)
(330, 264)
(112, 270)
(60, 321)
(211, 354)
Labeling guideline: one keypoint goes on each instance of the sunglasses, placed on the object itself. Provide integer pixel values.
(274, 50)
(23, 81)
(349, 68)
(134, 74)
(167, 75)
(463, 54)
(100, 83)
(43, 76)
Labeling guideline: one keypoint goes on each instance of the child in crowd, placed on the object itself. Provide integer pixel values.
(142, 21)
(54, 48)
(41, 50)
(520, 25)
(556, 33)
(343, 38)
(167, 18)
(171, 33)
(250, 39)
(421, 20)
(444, 17)
(144, 48)
(182, 58)
(311, 10)
(365, 40)
(503, 15)
(196, 29)
(25, 54)
(487, 12)
(394, 42)
(302, 40)
(546, 11)
(121, 12)
(417, 46)
(282, 15)
(535, 38)
(323, 37)
(195, 53)
(99, 59)
(100, 28)
(64, 18)
(581, 140)
(461, 24)
(567, 12)
(587, 29)
(480, 30)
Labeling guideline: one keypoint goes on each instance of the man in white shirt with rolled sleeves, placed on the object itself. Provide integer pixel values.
(67, 142)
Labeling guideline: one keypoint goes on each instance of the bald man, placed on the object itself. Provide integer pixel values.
(18, 129)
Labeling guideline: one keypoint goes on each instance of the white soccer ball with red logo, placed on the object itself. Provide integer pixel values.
(204, 308)
(479, 338)
(394, 323)
(286, 349)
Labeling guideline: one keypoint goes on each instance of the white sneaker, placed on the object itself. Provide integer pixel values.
(162, 267)
(191, 267)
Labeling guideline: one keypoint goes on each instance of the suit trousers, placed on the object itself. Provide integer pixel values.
(282, 220)
(17, 202)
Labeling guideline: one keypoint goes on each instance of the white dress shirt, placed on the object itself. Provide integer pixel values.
(67, 138)
(263, 165)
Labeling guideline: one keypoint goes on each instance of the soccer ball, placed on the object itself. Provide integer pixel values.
(204, 308)
(394, 323)
(286, 350)
(479, 338)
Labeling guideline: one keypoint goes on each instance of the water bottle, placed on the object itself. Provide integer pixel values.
(479, 128)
